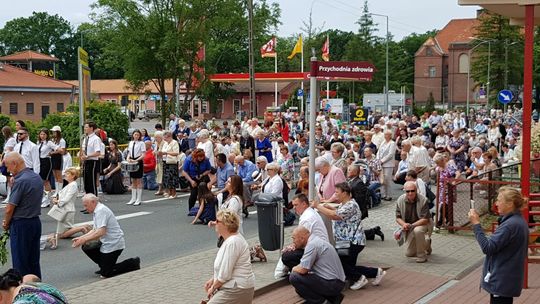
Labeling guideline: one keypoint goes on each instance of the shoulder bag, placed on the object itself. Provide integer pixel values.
(343, 248)
(57, 213)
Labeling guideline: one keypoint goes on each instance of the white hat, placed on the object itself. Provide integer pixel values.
(56, 128)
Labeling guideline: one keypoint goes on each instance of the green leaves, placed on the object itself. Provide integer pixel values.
(4, 237)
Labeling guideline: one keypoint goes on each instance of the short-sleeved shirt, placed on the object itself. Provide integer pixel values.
(321, 258)
(114, 237)
(9, 145)
(45, 148)
(194, 170)
(136, 149)
(223, 174)
(26, 194)
(313, 222)
(92, 144)
(349, 228)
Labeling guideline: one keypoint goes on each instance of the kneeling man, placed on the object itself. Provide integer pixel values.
(412, 214)
(319, 276)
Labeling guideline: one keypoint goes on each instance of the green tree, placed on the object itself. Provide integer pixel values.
(44, 33)
(502, 37)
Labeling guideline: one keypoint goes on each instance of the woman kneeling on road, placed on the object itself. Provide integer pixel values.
(233, 280)
(347, 226)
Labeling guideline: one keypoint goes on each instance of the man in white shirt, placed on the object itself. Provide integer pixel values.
(89, 154)
(312, 221)
(110, 239)
(28, 150)
(419, 159)
(254, 128)
(172, 123)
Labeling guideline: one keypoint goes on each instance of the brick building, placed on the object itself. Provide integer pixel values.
(28, 96)
(441, 65)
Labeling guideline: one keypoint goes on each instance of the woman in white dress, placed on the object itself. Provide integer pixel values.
(208, 147)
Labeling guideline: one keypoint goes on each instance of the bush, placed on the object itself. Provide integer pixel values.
(105, 114)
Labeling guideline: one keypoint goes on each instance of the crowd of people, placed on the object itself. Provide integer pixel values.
(223, 167)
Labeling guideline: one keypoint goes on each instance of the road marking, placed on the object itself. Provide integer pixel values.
(165, 198)
(253, 212)
(120, 217)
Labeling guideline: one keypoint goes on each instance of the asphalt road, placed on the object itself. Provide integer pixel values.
(156, 231)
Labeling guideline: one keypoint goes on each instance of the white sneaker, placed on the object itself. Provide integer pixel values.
(360, 283)
(380, 274)
(45, 203)
(130, 203)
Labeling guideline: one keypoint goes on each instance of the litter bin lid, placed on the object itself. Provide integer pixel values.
(266, 199)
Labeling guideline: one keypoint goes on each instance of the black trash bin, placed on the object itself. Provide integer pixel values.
(270, 218)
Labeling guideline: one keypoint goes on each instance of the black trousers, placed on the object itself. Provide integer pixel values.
(353, 272)
(90, 176)
(401, 179)
(292, 258)
(194, 192)
(314, 289)
(500, 300)
(107, 261)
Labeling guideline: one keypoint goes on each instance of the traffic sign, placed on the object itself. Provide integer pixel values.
(300, 93)
(505, 96)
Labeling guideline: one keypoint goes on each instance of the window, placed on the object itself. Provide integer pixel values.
(432, 71)
(463, 63)
(429, 52)
(29, 108)
(60, 107)
(204, 107)
(13, 108)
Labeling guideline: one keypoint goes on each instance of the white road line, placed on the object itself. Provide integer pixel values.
(120, 217)
(164, 198)
(253, 212)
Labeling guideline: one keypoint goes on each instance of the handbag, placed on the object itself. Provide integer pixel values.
(343, 248)
(57, 213)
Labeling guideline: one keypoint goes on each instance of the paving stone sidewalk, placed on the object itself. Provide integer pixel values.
(181, 280)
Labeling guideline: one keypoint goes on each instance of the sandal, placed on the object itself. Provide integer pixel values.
(53, 241)
(257, 252)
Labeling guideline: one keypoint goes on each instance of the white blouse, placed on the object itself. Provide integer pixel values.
(273, 185)
(136, 149)
(233, 264)
(45, 148)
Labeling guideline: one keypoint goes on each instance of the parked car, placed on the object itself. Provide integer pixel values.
(148, 114)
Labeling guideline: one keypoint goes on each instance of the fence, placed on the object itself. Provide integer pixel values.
(74, 152)
(482, 190)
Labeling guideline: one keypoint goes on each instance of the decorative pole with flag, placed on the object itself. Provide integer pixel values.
(269, 50)
(326, 57)
(299, 48)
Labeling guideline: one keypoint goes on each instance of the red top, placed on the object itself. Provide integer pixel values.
(149, 161)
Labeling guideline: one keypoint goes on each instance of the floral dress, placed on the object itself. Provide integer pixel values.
(350, 227)
(444, 174)
(460, 158)
(286, 163)
(39, 293)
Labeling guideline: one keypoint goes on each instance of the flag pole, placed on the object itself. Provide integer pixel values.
(302, 108)
(328, 82)
(275, 83)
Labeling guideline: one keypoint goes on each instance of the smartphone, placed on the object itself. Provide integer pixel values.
(472, 204)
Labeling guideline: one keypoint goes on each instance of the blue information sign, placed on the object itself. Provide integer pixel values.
(300, 93)
(505, 96)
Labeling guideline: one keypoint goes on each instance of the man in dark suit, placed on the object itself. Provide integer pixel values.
(247, 142)
(361, 195)
(183, 142)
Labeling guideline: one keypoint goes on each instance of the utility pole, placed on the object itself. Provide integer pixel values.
(252, 98)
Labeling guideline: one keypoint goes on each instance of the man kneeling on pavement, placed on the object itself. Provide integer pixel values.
(105, 242)
(412, 214)
(319, 277)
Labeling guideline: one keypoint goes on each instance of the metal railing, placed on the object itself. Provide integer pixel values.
(74, 152)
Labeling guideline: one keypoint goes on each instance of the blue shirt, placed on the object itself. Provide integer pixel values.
(194, 170)
(223, 174)
(246, 171)
(26, 194)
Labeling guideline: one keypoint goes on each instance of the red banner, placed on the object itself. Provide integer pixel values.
(360, 70)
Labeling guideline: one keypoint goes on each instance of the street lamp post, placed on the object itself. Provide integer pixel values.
(386, 82)
(469, 70)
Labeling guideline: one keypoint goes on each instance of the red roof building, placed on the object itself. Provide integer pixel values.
(441, 65)
(28, 96)
(38, 63)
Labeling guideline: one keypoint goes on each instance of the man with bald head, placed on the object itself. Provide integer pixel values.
(319, 277)
(22, 215)
(412, 214)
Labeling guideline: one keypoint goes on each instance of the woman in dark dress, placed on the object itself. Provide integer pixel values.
(207, 205)
(113, 173)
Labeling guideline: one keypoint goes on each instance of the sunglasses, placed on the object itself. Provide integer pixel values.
(409, 191)
(23, 133)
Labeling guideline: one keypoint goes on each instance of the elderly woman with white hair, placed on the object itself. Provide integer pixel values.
(273, 184)
(385, 154)
(264, 146)
(326, 187)
(208, 147)
(158, 146)
(338, 159)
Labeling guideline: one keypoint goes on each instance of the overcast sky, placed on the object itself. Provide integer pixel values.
(406, 16)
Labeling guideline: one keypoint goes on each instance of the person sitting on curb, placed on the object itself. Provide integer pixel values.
(108, 240)
(412, 214)
(319, 276)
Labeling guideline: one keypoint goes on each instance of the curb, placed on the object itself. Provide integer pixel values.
(274, 285)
